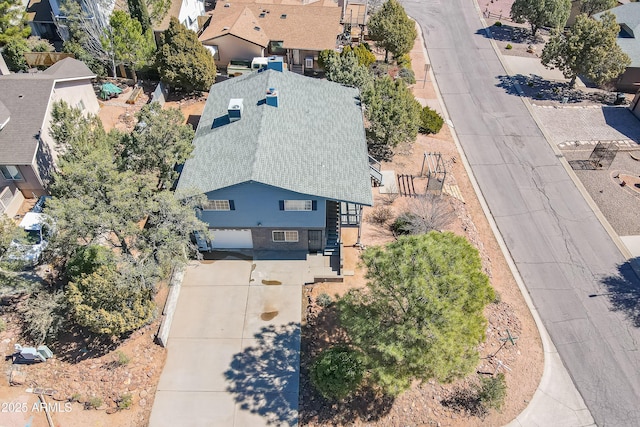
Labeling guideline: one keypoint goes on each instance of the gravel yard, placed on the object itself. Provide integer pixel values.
(619, 204)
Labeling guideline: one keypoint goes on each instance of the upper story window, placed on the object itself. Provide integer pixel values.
(218, 205)
(11, 173)
(298, 205)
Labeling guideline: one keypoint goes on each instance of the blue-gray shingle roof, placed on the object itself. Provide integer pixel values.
(629, 16)
(312, 143)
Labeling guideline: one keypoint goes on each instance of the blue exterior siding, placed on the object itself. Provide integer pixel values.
(259, 203)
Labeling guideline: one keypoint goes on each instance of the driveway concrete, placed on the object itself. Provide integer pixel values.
(234, 346)
(595, 123)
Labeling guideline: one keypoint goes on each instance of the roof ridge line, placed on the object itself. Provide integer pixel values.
(261, 125)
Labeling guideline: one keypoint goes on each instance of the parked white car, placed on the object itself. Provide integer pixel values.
(30, 247)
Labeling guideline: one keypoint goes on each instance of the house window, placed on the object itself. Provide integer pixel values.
(11, 173)
(277, 48)
(218, 205)
(285, 236)
(298, 205)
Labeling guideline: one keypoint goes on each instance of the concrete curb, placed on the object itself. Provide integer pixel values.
(634, 263)
(162, 337)
(556, 400)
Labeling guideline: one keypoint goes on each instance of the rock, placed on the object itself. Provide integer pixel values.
(17, 378)
(143, 402)
(143, 394)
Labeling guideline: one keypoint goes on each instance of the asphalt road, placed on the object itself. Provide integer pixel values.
(584, 290)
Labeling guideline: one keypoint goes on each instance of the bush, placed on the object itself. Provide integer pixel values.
(93, 403)
(404, 61)
(363, 53)
(3, 325)
(430, 121)
(125, 401)
(498, 24)
(324, 300)
(508, 47)
(123, 359)
(492, 392)
(402, 224)
(87, 260)
(337, 372)
(380, 215)
(407, 75)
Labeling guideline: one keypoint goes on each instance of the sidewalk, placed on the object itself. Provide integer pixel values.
(556, 400)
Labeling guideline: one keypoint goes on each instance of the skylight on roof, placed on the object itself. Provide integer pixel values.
(283, 16)
(262, 15)
(256, 28)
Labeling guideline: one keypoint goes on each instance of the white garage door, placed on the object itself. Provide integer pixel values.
(231, 239)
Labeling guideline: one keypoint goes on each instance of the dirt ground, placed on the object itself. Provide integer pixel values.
(81, 370)
(425, 404)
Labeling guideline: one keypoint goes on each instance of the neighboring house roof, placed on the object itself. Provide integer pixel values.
(312, 143)
(628, 16)
(312, 27)
(26, 96)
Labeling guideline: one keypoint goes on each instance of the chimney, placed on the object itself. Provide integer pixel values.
(235, 109)
(275, 63)
(272, 97)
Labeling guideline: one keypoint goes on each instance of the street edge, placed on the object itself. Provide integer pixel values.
(549, 349)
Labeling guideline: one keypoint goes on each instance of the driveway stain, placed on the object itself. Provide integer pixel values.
(268, 315)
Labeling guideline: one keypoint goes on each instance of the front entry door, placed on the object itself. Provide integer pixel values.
(296, 56)
(315, 240)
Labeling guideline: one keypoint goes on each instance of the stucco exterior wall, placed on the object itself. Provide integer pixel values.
(257, 205)
(15, 199)
(30, 184)
(231, 47)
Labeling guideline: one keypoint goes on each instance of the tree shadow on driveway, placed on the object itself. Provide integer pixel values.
(264, 378)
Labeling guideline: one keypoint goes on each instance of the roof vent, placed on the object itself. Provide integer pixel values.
(225, 28)
(235, 109)
(272, 97)
(227, 5)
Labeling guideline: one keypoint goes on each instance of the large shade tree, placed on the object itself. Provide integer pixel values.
(393, 115)
(160, 140)
(183, 61)
(421, 314)
(132, 45)
(589, 7)
(588, 48)
(541, 13)
(392, 29)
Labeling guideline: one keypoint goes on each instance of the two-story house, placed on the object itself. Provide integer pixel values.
(27, 151)
(242, 30)
(277, 154)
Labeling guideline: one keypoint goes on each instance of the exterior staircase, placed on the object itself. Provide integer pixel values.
(374, 171)
(333, 228)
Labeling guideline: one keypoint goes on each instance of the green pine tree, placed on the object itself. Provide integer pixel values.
(421, 314)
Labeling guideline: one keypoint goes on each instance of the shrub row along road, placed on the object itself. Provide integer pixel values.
(573, 270)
